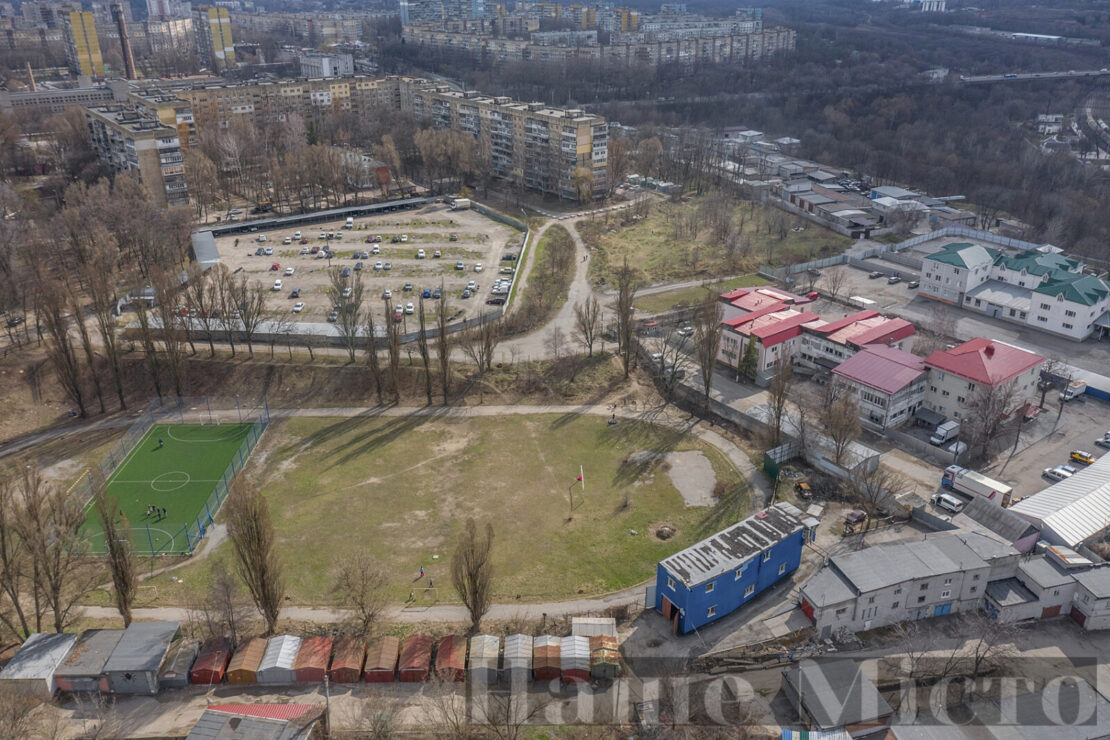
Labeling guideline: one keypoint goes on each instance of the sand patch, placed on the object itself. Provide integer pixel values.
(692, 474)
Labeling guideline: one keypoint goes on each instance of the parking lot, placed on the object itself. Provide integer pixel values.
(470, 248)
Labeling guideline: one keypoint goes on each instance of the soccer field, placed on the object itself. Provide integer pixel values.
(174, 467)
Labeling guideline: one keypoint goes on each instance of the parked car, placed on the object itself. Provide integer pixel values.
(394, 239)
(465, 293)
(855, 516)
(288, 270)
(420, 254)
(296, 293)
(407, 287)
(346, 292)
(387, 266)
(893, 280)
(333, 316)
(378, 265)
(304, 250)
(686, 331)
(426, 293)
(409, 308)
(296, 235)
(478, 267)
(268, 251)
(459, 265)
(803, 490)
(277, 285)
(387, 293)
(259, 252)
(437, 293)
(1081, 456)
(1057, 473)
(346, 272)
(287, 240)
(508, 257)
(404, 237)
(275, 267)
(261, 237)
(314, 250)
(453, 237)
(437, 254)
(364, 254)
(913, 284)
(358, 266)
(298, 307)
(375, 249)
(495, 301)
(506, 271)
(875, 275)
(322, 235)
(471, 285)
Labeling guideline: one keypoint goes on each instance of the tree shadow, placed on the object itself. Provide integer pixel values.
(727, 511)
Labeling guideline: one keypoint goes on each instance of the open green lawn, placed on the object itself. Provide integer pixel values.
(403, 488)
(179, 475)
(675, 242)
(660, 302)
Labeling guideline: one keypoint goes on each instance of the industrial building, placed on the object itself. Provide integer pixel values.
(129, 141)
(1072, 511)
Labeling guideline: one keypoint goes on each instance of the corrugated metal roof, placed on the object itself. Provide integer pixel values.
(731, 547)
(1003, 522)
(90, 653)
(518, 652)
(282, 712)
(574, 653)
(281, 652)
(1074, 509)
(484, 651)
(142, 647)
(40, 656)
(590, 626)
(382, 654)
(886, 369)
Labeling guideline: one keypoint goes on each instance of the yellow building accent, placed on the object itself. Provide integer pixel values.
(82, 45)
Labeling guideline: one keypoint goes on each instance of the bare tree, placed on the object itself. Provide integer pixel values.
(707, 341)
(250, 302)
(120, 551)
(875, 490)
(587, 323)
(626, 292)
(833, 280)
(479, 343)
(422, 346)
(393, 344)
(14, 565)
(506, 714)
(346, 295)
(172, 326)
(360, 585)
(372, 359)
(224, 299)
(779, 394)
(443, 344)
(840, 420)
(202, 293)
(990, 409)
(50, 308)
(256, 557)
(146, 338)
(224, 608)
(472, 571)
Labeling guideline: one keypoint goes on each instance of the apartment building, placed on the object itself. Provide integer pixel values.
(212, 30)
(128, 140)
(57, 100)
(82, 45)
(958, 375)
(888, 384)
(775, 331)
(826, 344)
(170, 110)
(170, 35)
(321, 64)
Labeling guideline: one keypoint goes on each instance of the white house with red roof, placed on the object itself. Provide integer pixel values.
(888, 383)
(748, 300)
(775, 329)
(955, 375)
(826, 344)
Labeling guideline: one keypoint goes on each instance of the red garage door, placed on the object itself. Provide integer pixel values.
(1078, 616)
(1050, 611)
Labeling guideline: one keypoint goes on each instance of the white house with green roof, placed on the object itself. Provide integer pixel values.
(1043, 290)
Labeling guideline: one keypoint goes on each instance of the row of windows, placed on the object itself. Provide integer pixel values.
(712, 585)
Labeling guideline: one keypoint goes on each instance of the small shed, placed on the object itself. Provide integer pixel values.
(277, 662)
(133, 667)
(416, 658)
(575, 658)
(83, 668)
(545, 657)
(243, 667)
(346, 664)
(211, 663)
(516, 666)
(381, 660)
(312, 661)
(451, 658)
(175, 669)
(605, 657)
(591, 626)
(32, 669)
(484, 653)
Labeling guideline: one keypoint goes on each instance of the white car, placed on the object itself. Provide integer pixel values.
(1058, 473)
(404, 237)
(378, 265)
(287, 240)
(277, 285)
(261, 237)
(296, 235)
(268, 251)
(323, 235)
(346, 293)
(298, 306)
(685, 331)
(375, 249)
(471, 285)
(387, 294)
(409, 308)
(420, 254)
(305, 250)
(288, 270)
(478, 267)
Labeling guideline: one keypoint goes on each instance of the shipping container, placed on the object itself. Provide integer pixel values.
(416, 658)
(381, 660)
(277, 662)
(590, 626)
(243, 667)
(133, 666)
(574, 658)
(516, 666)
(346, 664)
(482, 663)
(312, 661)
(83, 668)
(545, 658)
(605, 657)
(31, 671)
(451, 658)
(211, 663)
(175, 669)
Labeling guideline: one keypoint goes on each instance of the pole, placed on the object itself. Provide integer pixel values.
(237, 409)
(582, 479)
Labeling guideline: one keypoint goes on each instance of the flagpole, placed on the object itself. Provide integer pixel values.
(582, 478)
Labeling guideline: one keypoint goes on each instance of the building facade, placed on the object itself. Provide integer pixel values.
(826, 344)
(128, 140)
(212, 30)
(888, 384)
(319, 64)
(959, 375)
(82, 45)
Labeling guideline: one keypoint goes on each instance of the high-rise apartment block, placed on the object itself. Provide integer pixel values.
(212, 28)
(82, 45)
(129, 140)
(320, 64)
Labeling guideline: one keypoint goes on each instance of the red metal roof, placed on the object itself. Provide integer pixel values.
(837, 324)
(737, 321)
(884, 331)
(984, 361)
(778, 330)
(281, 712)
(883, 368)
(755, 298)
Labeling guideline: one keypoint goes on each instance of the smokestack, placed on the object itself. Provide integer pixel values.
(128, 59)
(31, 78)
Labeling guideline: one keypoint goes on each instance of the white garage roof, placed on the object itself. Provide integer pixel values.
(1074, 509)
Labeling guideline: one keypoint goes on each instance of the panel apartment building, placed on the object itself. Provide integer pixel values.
(529, 144)
(212, 28)
(128, 140)
(82, 45)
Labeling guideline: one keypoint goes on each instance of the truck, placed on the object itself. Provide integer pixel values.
(944, 432)
(350, 223)
(460, 204)
(1075, 389)
(976, 484)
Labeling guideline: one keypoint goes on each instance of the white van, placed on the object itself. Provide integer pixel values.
(948, 502)
(350, 223)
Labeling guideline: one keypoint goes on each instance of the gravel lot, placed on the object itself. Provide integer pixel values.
(479, 240)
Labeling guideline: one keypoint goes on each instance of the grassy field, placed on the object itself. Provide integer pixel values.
(176, 467)
(403, 489)
(548, 280)
(674, 242)
(660, 302)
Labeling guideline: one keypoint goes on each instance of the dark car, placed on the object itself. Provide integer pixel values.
(259, 252)
(296, 293)
(15, 321)
(912, 285)
(875, 275)
(495, 301)
(466, 293)
(407, 287)
(358, 265)
(436, 294)
(510, 257)
(346, 272)
(426, 293)
(855, 516)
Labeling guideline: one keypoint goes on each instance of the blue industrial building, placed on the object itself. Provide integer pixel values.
(723, 572)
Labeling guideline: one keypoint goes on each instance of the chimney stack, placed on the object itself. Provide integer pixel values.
(31, 78)
(121, 23)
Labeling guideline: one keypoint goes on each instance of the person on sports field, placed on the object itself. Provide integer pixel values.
(161, 444)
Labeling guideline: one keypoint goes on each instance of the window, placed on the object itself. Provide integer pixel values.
(841, 610)
(894, 605)
(782, 568)
(871, 600)
(712, 612)
(739, 573)
(945, 394)
(1070, 314)
(670, 583)
(933, 388)
(971, 386)
(924, 586)
(1056, 592)
(766, 556)
(947, 581)
(945, 594)
(749, 591)
(1067, 326)
(897, 590)
(1046, 306)
(974, 589)
(975, 577)
(961, 399)
(1042, 319)
(920, 599)
(710, 586)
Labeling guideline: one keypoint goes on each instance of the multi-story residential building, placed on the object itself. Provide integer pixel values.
(957, 376)
(128, 140)
(888, 384)
(170, 35)
(1041, 289)
(775, 330)
(57, 100)
(170, 110)
(723, 572)
(826, 344)
(212, 30)
(48, 14)
(322, 64)
(82, 45)
(899, 582)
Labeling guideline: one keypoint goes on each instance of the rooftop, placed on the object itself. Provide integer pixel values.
(728, 549)
(984, 361)
(877, 567)
(1087, 290)
(835, 693)
(39, 656)
(1010, 592)
(1045, 573)
(1095, 580)
(1073, 509)
(891, 191)
(1039, 263)
(965, 255)
(883, 368)
(142, 646)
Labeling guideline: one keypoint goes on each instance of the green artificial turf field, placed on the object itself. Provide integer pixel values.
(179, 475)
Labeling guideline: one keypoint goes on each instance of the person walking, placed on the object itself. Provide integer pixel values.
(421, 571)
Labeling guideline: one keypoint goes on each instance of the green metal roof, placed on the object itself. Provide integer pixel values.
(1085, 289)
(1037, 263)
(957, 253)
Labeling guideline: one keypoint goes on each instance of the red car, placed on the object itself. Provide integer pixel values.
(304, 240)
(275, 266)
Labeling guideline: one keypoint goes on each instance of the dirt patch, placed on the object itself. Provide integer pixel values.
(692, 474)
(662, 531)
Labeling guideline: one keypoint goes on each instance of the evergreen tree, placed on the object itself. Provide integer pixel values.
(749, 363)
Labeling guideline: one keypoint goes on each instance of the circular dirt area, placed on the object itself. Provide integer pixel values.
(663, 531)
